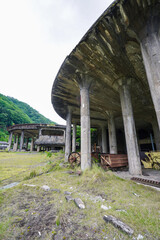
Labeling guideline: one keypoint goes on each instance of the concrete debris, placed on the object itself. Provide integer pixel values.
(92, 198)
(67, 193)
(96, 199)
(79, 203)
(56, 190)
(29, 185)
(45, 187)
(121, 210)
(105, 207)
(139, 237)
(136, 194)
(118, 224)
(10, 185)
(69, 198)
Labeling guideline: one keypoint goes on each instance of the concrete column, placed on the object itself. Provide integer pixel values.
(14, 145)
(150, 47)
(85, 129)
(112, 135)
(104, 140)
(156, 134)
(27, 139)
(74, 138)
(32, 145)
(17, 140)
(130, 131)
(99, 137)
(10, 141)
(40, 132)
(21, 141)
(68, 135)
(38, 149)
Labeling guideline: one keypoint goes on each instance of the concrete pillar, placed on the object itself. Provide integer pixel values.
(17, 140)
(38, 149)
(14, 144)
(68, 135)
(150, 47)
(27, 140)
(130, 131)
(21, 141)
(74, 138)
(85, 129)
(10, 141)
(32, 145)
(104, 140)
(99, 137)
(156, 134)
(112, 135)
(40, 132)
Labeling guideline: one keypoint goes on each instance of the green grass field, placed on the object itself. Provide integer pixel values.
(21, 206)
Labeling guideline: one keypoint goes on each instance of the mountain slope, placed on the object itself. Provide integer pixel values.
(13, 112)
(33, 114)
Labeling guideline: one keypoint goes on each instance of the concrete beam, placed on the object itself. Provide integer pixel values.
(68, 135)
(85, 129)
(130, 130)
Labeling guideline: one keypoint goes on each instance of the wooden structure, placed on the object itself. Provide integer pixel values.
(107, 160)
(114, 160)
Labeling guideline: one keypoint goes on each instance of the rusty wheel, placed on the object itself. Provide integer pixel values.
(74, 159)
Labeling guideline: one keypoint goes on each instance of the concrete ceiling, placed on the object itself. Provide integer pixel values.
(108, 52)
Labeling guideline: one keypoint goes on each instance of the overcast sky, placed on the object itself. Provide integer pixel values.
(35, 38)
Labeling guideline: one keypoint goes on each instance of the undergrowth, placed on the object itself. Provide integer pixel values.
(136, 205)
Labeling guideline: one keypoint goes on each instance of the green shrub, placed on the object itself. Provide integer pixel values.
(49, 154)
(31, 175)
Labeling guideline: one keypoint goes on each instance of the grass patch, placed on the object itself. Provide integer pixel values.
(140, 211)
(31, 175)
(3, 227)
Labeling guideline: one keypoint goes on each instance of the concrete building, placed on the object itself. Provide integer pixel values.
(39, 137)
(111, 80)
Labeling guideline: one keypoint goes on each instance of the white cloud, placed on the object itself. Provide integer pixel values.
(35, 37)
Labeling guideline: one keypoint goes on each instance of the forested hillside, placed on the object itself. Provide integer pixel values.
(13, 112)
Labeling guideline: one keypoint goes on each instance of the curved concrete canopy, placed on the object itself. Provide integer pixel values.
(32, 129)
(109, 51)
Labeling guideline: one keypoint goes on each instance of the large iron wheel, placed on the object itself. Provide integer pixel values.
(74, 159)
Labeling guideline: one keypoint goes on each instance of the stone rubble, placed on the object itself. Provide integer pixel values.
(67, 193)
(79, 203)
(29, 185)
(118, 224)
(56, 190)
(139, 237)
(45, 187)
(105, 207)
(69, 198)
